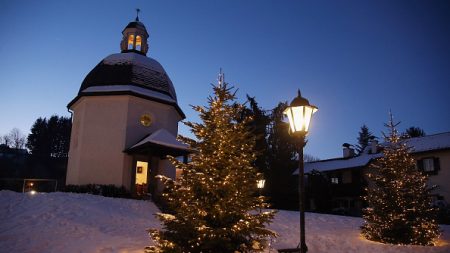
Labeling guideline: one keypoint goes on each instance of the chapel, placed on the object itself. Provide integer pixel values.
(125, 120)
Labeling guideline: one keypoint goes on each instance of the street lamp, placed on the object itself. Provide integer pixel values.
(299, 114)
(260, 184)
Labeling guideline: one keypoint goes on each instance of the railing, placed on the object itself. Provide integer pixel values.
(29, 184)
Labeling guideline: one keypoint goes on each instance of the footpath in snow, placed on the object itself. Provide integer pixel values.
(67, 222)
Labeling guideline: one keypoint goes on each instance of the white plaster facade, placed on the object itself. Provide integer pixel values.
(103, 128)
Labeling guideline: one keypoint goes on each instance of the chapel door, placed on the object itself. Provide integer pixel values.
(142, 170)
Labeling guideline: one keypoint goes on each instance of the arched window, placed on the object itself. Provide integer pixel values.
(130, 41)
(138, 43)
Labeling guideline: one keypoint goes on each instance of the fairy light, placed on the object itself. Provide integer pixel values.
(212, 204)
(399, 204)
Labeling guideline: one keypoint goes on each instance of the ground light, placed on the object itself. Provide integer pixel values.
(299, 114)
(260, 184)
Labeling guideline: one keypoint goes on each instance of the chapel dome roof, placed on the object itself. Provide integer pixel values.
(136, 24)
(130, 68)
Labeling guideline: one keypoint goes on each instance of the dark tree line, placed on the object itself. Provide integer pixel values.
(276, 153)
(50, 138)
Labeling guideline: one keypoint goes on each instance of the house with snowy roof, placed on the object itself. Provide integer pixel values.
(347, 175)
(125, 120)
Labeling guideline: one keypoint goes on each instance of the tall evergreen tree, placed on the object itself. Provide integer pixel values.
(38, 141)
(399, 202)
(282, 187)
(50, 138)
(364, 136)
(213, 206)
(258, 128)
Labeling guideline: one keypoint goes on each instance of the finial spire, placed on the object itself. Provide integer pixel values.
(137, 14)
(299, 93)
(221, 78)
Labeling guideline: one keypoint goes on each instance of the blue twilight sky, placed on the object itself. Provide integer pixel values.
(355, 60)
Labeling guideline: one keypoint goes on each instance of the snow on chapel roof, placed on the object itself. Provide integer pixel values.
(163, 138)
(130, 71)
(417, 145)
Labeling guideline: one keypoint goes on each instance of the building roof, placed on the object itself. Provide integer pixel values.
(164, 141)
(419, 144)
(429, 142)
(132, 70)
(136, 24)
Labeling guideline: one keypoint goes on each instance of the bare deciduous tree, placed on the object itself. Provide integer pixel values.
(17, 138)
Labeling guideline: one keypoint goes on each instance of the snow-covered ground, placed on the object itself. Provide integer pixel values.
(66, 222)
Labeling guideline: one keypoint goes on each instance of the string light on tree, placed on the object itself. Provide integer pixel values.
(399, 202)
(211, 206)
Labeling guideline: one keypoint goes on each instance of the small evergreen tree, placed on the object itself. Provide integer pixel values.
(364, 136)
(213, 206)
(413, 132)
(399, 202)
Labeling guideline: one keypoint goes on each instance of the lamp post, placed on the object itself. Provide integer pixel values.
(260, 184)
(299, 114)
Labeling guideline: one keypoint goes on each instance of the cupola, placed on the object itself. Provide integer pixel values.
(135, 37)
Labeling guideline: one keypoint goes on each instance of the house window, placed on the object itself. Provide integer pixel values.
(130, 41)
(429, 165)
(138, 43)
(335, 180)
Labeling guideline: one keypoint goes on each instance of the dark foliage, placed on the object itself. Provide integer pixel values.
(413, 132)
(109, 190)
(364, 137)
(258, 128)
(282, 186)
(50, 137)
(319, 189)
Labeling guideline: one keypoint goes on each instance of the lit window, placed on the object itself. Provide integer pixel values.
(130, 41)
(428, 164)
(138, 43)
(335, 180)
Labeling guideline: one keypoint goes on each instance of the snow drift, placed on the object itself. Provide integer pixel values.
(68, 222)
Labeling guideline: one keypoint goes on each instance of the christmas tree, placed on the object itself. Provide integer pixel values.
(399, 202)
(213, 206)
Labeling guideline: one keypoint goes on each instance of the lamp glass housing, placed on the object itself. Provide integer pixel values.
(299, 117)
(260, 183)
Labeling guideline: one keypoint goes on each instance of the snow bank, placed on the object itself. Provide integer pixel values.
(67, 222)
(334, 233)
